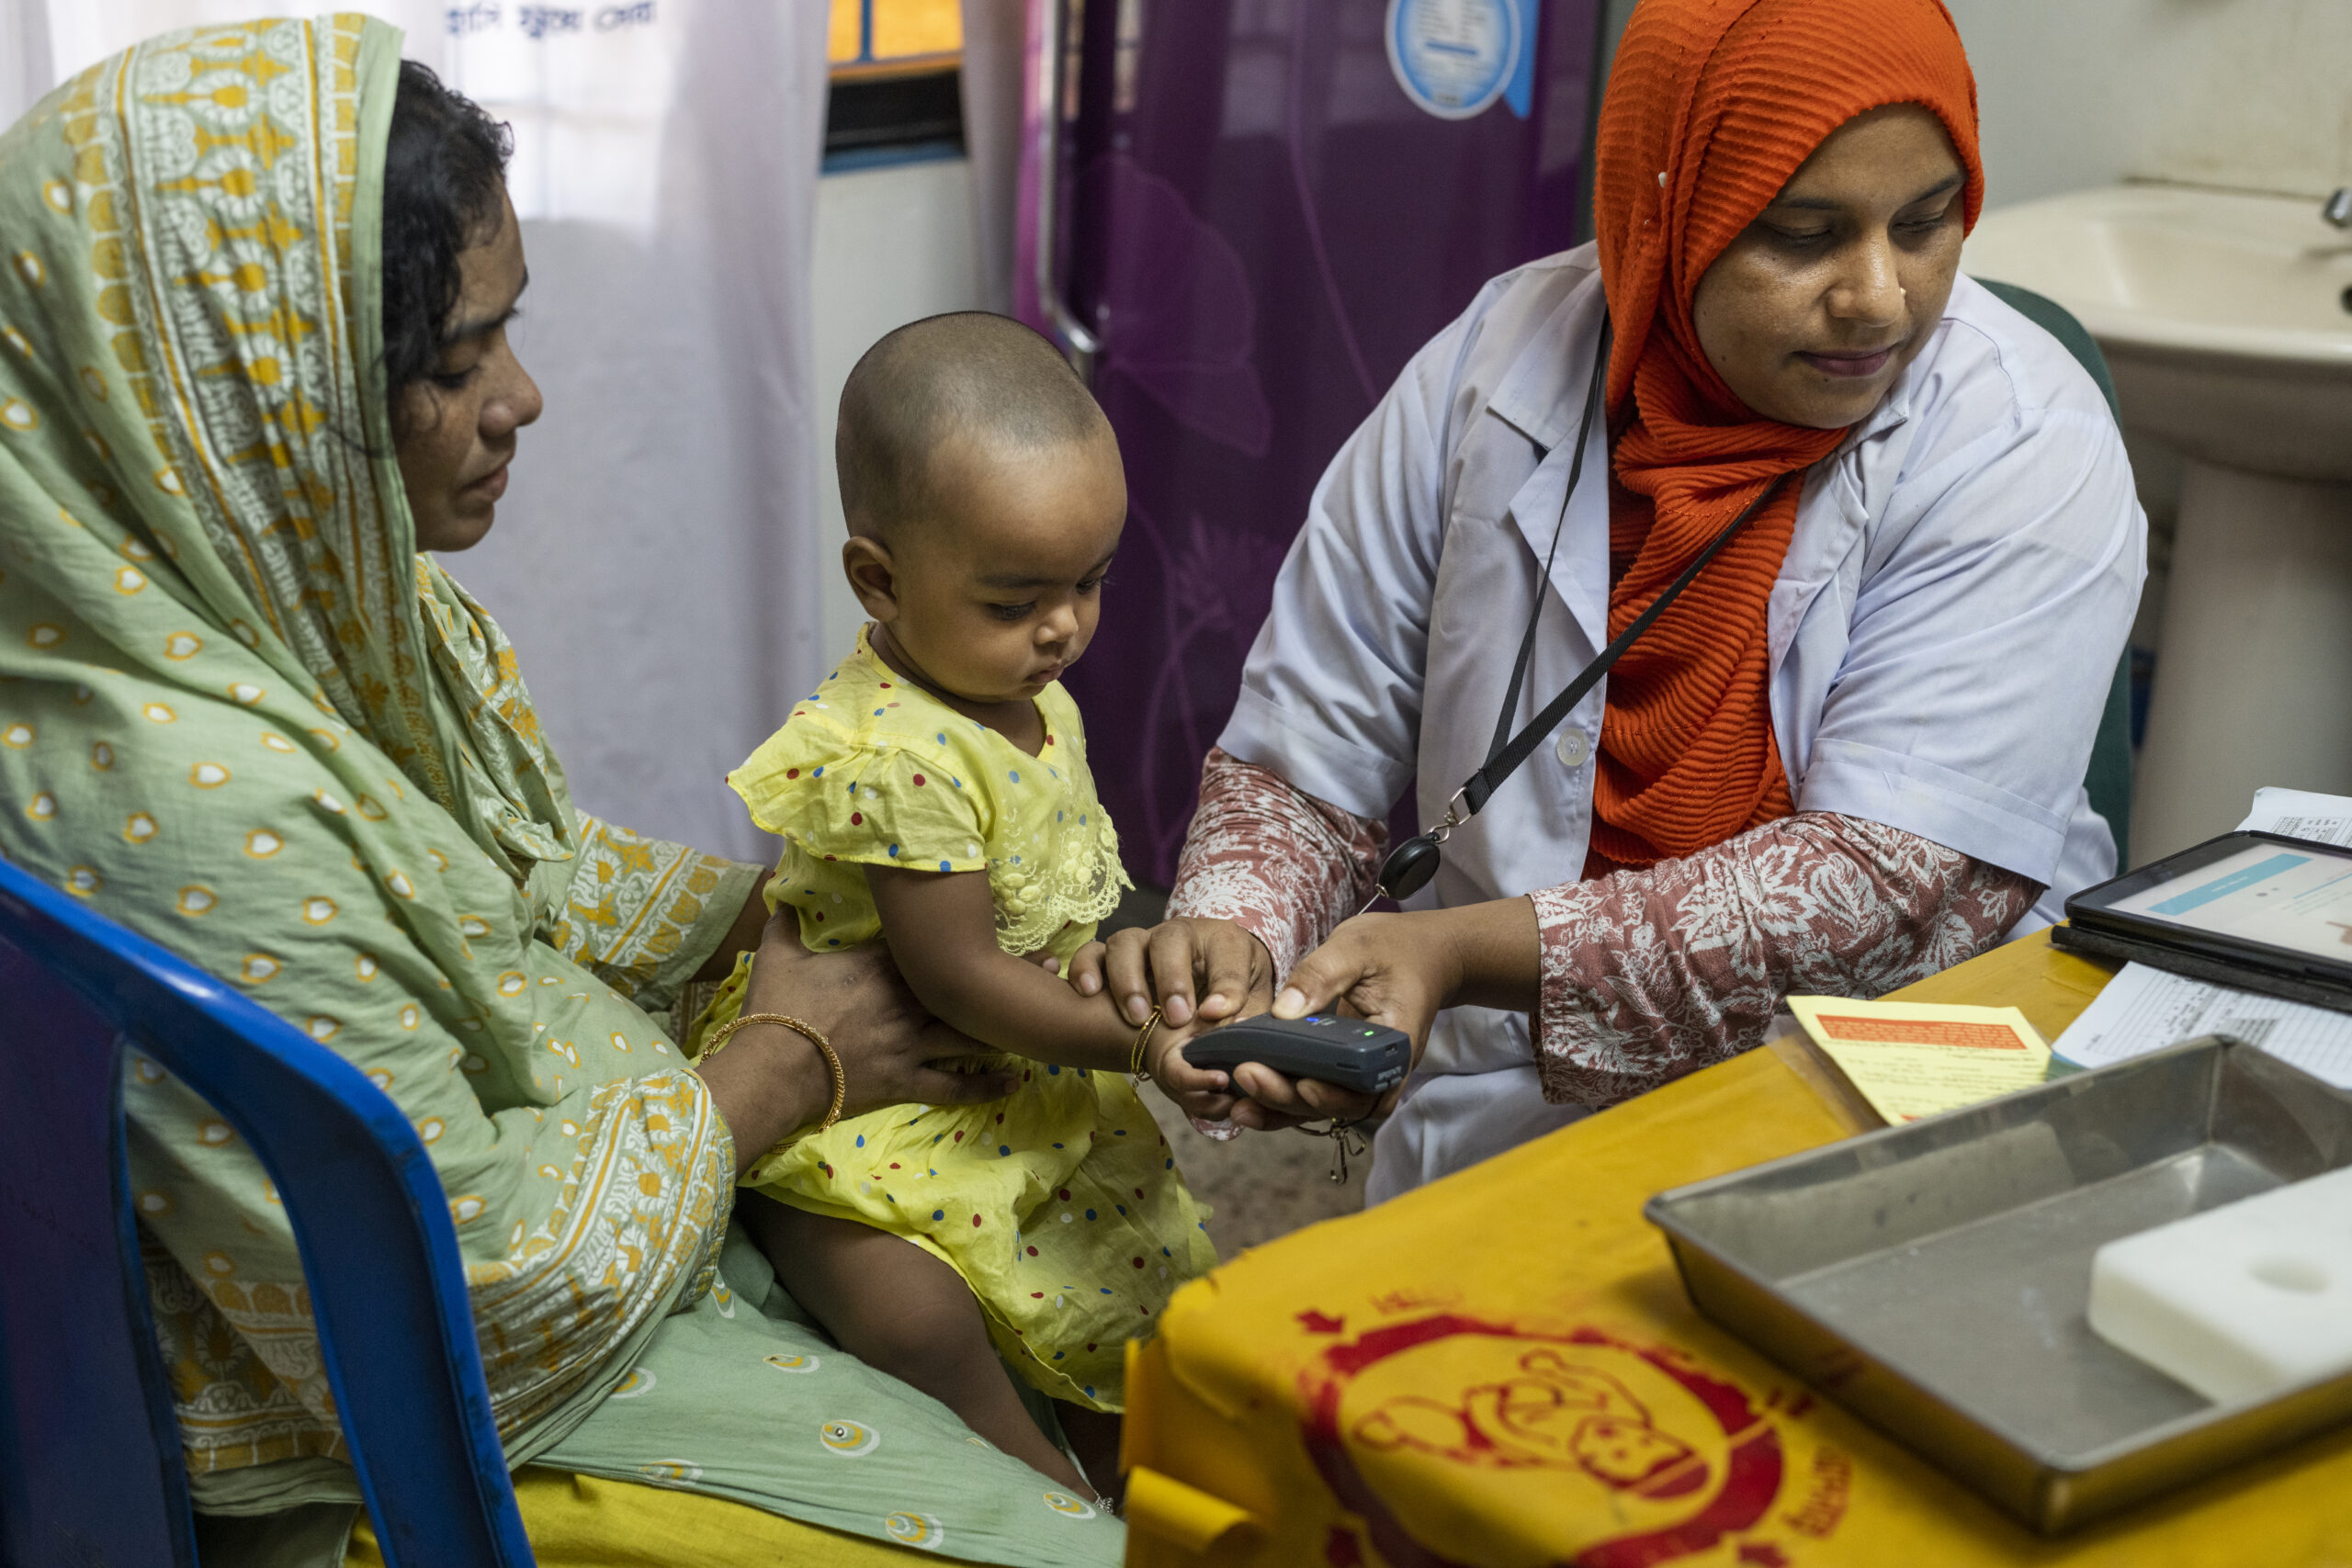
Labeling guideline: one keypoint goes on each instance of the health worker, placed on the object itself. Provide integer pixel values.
(1848, 752)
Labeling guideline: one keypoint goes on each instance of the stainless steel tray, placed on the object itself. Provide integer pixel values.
(1933, 1278)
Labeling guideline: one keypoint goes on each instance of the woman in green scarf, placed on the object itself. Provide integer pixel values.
(241, 715)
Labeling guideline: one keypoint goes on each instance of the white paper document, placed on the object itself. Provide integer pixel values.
(2299, 814)
(2144, 1009)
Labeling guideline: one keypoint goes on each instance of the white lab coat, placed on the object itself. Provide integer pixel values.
(1943, 632)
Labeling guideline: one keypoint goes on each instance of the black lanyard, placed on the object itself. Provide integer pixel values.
(1411, 863)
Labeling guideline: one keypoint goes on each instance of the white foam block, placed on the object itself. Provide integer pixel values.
(2239, 1300)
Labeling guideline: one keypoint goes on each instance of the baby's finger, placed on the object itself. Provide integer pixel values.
(1180, 1077)
(1306, 1100)
(1208, 1108)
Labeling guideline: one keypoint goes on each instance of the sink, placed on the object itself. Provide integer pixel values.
(2223, 314)
(2224, 318)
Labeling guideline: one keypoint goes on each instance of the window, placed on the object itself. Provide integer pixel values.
(897, 92)
(877, 37)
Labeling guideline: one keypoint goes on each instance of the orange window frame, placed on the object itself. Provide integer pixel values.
(889, 37)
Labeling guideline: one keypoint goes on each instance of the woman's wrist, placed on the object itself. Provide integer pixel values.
(768, 1083)
(1490, 954)
(742, 937)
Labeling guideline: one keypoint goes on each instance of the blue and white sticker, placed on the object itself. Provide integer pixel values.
(1453, 58)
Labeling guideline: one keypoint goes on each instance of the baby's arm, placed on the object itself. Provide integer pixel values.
(941, 929)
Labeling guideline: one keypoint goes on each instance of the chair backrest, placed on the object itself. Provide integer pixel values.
(90, 1466)
(2108, 781)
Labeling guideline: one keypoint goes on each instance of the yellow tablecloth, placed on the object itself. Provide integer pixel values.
(584, 1521)
(1502, 1370)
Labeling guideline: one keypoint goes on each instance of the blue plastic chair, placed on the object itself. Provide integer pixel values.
(90, 1466)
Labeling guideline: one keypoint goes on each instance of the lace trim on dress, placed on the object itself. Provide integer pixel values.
(1077, 883)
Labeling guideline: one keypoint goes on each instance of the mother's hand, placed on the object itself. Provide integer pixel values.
(769, 1081)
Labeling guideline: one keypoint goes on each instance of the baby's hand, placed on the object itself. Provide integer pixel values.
(1204, 1093)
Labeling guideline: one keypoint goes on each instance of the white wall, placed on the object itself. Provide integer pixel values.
(894, 245)
(2253, 93)
(2250, 94)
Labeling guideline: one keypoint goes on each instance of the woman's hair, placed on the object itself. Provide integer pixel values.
(445, 170)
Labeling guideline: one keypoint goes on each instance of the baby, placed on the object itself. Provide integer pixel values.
(933, 793)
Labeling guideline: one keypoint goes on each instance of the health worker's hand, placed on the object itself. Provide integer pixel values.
(1399, 970)
(1224, 965)
(1194, 969)
(1198, 973)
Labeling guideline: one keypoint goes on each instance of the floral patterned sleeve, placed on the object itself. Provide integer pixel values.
(643, 914)
(1282, 865)
(1650, 974)
(1646, 975)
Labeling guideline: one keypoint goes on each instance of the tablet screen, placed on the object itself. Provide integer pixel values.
(2286, 897)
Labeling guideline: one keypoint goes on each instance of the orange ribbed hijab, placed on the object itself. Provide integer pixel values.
(1711, 105)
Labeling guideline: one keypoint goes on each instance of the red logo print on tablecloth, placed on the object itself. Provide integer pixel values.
(1691, 1457)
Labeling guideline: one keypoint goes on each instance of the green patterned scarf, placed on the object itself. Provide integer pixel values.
(240, 714)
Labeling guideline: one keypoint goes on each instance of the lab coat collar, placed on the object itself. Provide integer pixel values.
(1833, 511)
(1541, 396)
(1841, 483)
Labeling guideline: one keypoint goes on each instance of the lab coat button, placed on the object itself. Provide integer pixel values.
(1574, 748)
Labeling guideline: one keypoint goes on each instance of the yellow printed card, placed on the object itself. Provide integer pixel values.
(1907, 1060)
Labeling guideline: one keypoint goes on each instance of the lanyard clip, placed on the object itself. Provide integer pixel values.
(1410, 865)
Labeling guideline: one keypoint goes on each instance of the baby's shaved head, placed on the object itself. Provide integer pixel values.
(971, 377)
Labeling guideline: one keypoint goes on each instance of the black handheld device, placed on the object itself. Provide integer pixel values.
(1353, 1053)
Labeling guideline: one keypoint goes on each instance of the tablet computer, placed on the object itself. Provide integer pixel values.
(2257, 910)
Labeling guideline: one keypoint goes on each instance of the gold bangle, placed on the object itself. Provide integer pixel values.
(808, 1031)
(1143, 1038)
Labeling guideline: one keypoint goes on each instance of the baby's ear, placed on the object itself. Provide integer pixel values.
(872, 577)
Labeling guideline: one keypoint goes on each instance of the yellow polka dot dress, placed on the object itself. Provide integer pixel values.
(1061, 1205)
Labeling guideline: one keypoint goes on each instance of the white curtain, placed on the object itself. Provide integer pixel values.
(995, 42)
(647, 556)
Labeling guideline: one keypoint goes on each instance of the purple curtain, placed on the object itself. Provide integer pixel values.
(1262, 224)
